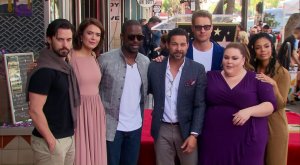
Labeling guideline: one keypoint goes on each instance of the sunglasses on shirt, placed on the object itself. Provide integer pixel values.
(200, 27)
(132, 37)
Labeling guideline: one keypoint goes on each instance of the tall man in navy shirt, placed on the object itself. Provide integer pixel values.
(202, 49)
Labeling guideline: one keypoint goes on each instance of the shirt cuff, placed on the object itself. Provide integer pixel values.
(194, 133)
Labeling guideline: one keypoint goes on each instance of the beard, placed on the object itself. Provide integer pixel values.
(130, 49)
(62, 52)
(178, 55)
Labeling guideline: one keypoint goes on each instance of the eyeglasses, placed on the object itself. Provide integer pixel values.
(132, 37)
(200, 27)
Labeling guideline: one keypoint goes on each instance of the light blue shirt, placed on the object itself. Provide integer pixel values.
(171, 92)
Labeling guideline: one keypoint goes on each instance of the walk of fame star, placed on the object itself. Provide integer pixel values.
(217, 31)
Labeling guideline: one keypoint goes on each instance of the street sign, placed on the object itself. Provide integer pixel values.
(156, 9)
(146, 3)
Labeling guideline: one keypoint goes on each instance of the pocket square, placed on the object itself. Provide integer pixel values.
(190, 83)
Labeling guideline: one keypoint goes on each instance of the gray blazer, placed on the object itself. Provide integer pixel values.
(190, 99)
(113, 69)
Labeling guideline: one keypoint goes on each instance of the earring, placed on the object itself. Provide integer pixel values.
(254, 59)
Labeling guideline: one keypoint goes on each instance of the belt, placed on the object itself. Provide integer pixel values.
(175, 124)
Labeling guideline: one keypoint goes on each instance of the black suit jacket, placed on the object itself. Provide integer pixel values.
(190, 99)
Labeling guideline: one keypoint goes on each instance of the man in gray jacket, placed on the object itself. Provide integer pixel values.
(123, 90)
(178, 87)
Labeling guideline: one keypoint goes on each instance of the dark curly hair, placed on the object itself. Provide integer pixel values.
(77, 44)
(282, 53)
(270, 70)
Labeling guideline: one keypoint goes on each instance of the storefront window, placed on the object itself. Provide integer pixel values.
(55, 10)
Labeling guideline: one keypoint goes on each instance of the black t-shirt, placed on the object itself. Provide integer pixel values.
(57, 108)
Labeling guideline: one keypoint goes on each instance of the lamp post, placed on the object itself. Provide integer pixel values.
(244, 13)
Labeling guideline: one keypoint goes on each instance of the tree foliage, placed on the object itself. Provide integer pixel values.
(232, 6)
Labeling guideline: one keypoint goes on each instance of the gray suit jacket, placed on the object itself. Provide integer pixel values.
(113, 69)
(190, 99)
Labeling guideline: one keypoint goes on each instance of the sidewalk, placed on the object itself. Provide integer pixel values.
(294, 107)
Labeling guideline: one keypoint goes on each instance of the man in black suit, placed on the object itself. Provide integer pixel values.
(178, 87)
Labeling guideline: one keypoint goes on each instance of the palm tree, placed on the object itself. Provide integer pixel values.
(229, 9)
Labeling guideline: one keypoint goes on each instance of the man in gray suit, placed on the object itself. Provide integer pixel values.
(178, 87)
(123, 90)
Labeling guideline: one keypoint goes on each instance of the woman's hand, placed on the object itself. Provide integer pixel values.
(264, 78)
(31, 66)
(241, 117)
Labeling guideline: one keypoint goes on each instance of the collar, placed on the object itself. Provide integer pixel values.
(180, 68)
(137, 59)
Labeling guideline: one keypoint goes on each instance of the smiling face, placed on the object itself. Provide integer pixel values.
(233, 61)
(202, 34)
(91, 37)
(132, 38)
(177, 47)
(263, 49)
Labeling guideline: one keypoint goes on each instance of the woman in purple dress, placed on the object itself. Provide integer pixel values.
(236, 126)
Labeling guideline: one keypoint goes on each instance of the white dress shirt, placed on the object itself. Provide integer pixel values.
(171, 91)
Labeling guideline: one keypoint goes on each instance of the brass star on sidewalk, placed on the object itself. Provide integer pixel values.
(217, 31)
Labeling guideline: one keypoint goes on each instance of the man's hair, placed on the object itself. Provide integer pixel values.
(154, 19)
(176, 32)
(142, 20)
(129, 23)
(201, 13)
(164, 38)
(266, 27)
(58, 24)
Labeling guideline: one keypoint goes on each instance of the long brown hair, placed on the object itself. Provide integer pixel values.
(84, 24)
(244, 51)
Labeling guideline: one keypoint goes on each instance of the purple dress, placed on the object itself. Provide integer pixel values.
(223, 143)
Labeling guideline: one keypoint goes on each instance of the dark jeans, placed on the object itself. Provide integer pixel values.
(125, 148)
